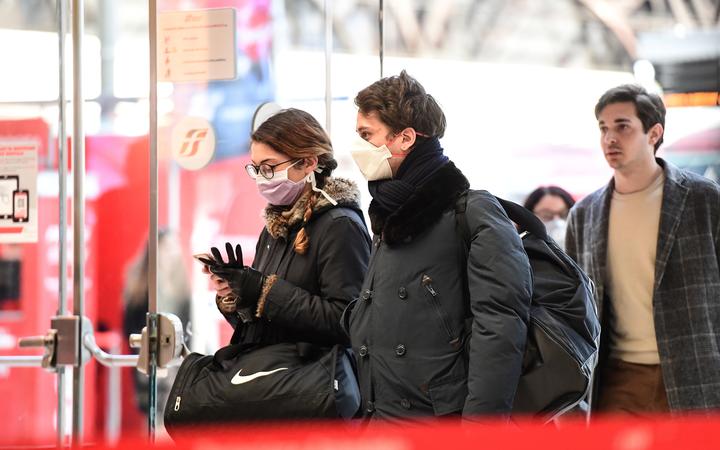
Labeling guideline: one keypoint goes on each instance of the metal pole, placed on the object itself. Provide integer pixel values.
(381, 26)
(21, 361)
(152, 330)
(114, 395)
(78, 166)
(62, 206)
(152, 234)
(107, 28)
(328, 59)
(108, 359)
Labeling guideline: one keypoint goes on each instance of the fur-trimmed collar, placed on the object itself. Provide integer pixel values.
(423, 209)
(280, 220)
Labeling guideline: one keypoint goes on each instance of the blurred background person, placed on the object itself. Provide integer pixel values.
(551, 204)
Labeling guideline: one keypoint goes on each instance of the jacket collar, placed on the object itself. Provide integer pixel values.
(599, 218)
(675, 193)
(280, 221)
(422, 209)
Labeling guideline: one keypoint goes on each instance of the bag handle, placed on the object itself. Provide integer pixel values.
(524, 218)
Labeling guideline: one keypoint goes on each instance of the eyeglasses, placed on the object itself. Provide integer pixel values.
(547, 215)
(266, 170)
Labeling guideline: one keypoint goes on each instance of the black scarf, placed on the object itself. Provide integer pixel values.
(419, 165)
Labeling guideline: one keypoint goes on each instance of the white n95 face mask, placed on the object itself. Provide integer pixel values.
(372, 161)
(556, 229)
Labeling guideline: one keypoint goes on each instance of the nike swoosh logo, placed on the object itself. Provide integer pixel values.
(240, 379)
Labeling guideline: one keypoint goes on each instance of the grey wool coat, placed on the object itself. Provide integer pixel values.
(686, 295)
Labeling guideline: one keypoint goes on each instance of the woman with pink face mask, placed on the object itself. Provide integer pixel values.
(311, 256)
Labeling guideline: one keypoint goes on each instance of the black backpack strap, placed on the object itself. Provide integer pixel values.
(463, 230)
(461, 224)
(524, 218)
(518, 214)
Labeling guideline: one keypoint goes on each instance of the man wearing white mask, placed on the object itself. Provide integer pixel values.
(417, 354)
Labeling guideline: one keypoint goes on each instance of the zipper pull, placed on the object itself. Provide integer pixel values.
(177, 403)
(427, 282)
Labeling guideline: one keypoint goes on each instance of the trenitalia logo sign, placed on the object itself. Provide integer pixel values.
(193, 143)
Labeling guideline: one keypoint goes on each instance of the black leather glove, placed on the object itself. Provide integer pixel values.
(245, 282)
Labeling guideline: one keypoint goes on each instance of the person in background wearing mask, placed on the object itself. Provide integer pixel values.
(650, 240)
(551, 204)
(312, 255)
(416, 355)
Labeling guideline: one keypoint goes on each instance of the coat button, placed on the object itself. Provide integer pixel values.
(370, 406)
(405, 403)
(400, 350)
(402, 292)
(363, 350)
(367, 293)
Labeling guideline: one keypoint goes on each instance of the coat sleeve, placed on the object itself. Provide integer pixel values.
(342, 258)
(500, 286)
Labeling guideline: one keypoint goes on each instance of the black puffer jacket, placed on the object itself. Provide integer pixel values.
(407, 328)
(304, 303)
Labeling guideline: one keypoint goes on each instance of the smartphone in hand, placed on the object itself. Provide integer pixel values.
(205, 258)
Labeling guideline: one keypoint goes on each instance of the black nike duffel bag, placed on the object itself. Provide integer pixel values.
(275, 382)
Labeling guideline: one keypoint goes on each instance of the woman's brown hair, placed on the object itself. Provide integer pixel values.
(297, 134)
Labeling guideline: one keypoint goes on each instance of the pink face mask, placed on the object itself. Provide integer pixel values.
(280, 190)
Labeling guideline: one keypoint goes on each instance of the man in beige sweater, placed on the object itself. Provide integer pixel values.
(649, 240)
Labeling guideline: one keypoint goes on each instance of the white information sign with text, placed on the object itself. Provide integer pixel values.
(196, 45)
(18, 191)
